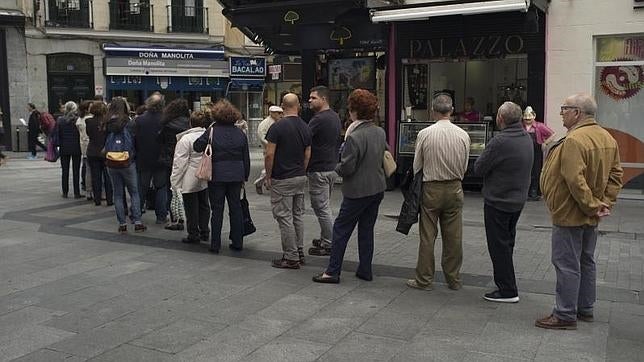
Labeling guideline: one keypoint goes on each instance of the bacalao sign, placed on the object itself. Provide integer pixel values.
(130, 61)
(247, 67)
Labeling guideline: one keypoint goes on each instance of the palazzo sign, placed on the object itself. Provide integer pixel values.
(128, 61)
(472, 47)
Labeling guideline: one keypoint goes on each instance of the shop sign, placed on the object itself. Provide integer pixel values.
(247, 67)
(165, 62)
(612, 49)
(275, 71)
(471, 47)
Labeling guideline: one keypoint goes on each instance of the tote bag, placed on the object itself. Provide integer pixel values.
(389, 164)
(248, 225)
(204, 171)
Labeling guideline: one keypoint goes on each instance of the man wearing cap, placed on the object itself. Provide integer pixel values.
(325, 128)
(275, 113)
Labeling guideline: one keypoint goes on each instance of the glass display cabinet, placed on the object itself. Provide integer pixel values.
(478, 133)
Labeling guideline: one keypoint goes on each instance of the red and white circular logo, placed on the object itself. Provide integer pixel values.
(622, 82)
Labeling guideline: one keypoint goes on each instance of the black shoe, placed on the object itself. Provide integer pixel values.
(331, 279)
(319, 251)
(213, 250)
(65, 196)
(122, 229)
(97, 203)
(300, 253)
(204, 237)
(139, 228)
(496, 296)
(175, 227)
(318, 243)
(110, 204)
(189, 240)
(235, 248)
(78, 196)
(585, 317)
(285, 264)
(367, 278)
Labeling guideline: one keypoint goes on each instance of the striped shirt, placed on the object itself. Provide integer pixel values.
(442, 152)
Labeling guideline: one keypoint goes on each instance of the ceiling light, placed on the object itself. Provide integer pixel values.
(425, 12)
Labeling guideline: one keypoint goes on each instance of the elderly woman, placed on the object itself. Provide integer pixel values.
(363, 186)
(194, 191)
(541, 136)
(68, 139)
(230, 169)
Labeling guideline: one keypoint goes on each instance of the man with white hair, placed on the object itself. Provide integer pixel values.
(274, 114)
(580, 181)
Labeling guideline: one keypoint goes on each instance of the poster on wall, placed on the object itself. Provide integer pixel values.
(352, 73)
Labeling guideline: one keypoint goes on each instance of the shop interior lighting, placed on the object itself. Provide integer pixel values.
(419, 13)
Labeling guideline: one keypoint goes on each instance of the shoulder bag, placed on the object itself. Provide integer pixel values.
(204, 171)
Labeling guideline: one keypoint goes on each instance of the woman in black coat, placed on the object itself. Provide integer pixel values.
(96, 131)
(230, 169)
(68, 140)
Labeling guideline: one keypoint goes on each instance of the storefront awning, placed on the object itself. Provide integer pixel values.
(12, 17)
(420, 10)
(245, 85)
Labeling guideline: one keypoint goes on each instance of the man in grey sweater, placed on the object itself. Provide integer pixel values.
(505, 166)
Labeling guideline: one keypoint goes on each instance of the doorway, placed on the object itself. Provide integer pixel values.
(70, 77)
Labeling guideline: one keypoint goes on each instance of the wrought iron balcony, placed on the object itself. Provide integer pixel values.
(70, 13)
(187, 19)
(131, 15)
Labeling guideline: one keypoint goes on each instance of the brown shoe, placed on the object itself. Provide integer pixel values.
(552, 322)
(285, 264)
(413, 283)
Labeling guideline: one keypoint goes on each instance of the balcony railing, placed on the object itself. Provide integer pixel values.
(70, 13)
(129, 15)
(187, 19)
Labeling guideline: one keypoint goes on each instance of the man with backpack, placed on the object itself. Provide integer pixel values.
(34, 131)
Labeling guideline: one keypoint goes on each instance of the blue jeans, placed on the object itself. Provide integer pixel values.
(158, 177)
(125, 177)
(364, 212)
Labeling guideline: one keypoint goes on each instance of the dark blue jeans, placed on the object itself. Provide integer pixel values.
(121, 178)
(231, 192)
(364, 212)
(100, 178)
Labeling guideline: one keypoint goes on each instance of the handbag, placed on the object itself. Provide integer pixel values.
(248, 226)
(52, 153)
(389, 164)
(204, 171)
(176, 206)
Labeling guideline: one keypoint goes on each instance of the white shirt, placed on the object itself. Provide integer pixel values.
(442, 152)
(262, 129)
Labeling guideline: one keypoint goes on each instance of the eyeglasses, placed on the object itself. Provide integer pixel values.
(563, 108)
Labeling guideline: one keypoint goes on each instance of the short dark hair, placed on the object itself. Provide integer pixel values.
(364, 103)
(225, 112)
(84, 108)
(31, 105)
(322, 91)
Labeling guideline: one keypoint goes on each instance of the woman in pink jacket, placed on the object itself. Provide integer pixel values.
(541, 135)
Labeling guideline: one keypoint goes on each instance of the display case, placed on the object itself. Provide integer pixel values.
(478, 133)
(408, 132)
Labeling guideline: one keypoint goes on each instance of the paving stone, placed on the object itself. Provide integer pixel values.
(391, 324)
(517, 341)
(627, 326)
(363, 347)
(490, 357)
(25, 339)
(329, 330)
(293, 307)
(48, 355)
(179, 335)
(129, 353)
(587, 343)
(624, 350)
(288, 349)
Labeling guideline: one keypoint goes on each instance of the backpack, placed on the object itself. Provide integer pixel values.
(47, 122)
(118, 148)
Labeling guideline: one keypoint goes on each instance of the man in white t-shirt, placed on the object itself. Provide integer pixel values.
(275, 114)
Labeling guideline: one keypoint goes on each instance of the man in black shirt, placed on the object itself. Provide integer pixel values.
(287, 156)
(325, 130)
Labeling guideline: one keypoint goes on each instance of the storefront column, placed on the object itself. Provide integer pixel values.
(308, 80)
(537, 83)
(5, 118)
(391, 86)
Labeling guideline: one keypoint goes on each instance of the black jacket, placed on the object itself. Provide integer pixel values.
(412, 189)
(506, 165)
(168, 139)
(96, 137)
(68, 138)
(147, 128)
(34, 124)
(230, 155)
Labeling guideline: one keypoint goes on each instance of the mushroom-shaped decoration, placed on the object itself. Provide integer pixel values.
(291, 17)
(341, 34)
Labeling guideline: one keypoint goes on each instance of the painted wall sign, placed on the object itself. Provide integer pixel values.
(472, 47)
(243, 67)
(164, 53)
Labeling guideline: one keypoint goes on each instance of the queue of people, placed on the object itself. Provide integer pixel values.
(165, 145)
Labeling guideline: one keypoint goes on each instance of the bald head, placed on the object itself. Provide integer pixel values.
(290, 104)
(585, 102)
(155, 102)
(509, 113)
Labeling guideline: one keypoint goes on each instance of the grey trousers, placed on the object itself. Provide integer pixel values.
(320, 188)
(287, 201)
(573, 250)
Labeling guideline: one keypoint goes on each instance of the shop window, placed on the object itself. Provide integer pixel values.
(190, 8)
(68, 4)
(619, 79)
(135, 7)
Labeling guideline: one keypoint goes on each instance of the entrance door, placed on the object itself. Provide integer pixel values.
(70, 77)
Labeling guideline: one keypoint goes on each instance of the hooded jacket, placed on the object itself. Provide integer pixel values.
(168, 138)
(186, 162)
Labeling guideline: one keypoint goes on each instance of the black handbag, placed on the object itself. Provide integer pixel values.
(248, 226)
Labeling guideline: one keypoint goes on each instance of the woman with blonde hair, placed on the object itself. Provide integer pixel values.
(541, 136)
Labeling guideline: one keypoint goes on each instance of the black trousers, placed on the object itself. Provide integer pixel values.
(159, 181)
(364, 212)
(100, 178)
(537, 164)
(76, 164)
(231, 192)
(197, 208)
(501, 231)
(32, 142)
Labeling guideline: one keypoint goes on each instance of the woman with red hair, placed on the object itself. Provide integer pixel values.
(363, 186)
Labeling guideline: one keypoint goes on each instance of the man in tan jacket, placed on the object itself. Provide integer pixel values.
(581, 179)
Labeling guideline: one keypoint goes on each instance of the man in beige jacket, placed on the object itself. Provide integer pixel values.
(581, 179)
